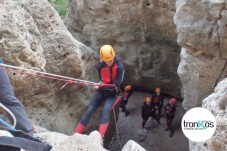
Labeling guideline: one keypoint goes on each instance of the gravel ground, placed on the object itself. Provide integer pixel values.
(156, 139)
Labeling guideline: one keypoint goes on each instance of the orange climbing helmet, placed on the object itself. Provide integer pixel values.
(128, 87)
(157, 90)
(148, 99)
(107, 53)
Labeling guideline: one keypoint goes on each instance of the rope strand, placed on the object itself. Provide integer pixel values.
(47, 75)
(65, 79)
(115, 120)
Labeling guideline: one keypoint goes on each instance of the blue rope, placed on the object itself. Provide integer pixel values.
(6, 124)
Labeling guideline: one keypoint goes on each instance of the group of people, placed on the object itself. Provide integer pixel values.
(154, 104)
(152, 108)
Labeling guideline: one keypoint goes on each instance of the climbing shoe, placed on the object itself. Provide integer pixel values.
(126, 113)
(171, 134)
(166, 129)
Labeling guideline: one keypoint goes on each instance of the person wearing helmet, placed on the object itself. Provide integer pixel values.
(124, 100)
(148, 111)
(158, 100)
(170, 110)
(111, 71)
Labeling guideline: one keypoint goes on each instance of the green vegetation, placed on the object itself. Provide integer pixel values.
(60, 6)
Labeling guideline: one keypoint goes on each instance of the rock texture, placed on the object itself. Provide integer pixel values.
(201, 28)
(132, 146)
(217, 104)
(142, 33)
(20, 41)
(76, 142)
(33, 36)
(79, 142)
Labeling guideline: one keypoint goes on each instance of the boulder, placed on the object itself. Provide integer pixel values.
(202, 36)
(217, 104)
(132, 146)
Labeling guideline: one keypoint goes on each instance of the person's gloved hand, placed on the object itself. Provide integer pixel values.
(101, 85)
(95, 87)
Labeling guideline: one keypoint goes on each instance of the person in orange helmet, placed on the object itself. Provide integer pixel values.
(170, 110)
(124, 100)
(158, 100)
(111, 71)
(148, 111)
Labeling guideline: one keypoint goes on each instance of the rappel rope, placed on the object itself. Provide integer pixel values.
(6, 124)
(67, 80)
(115, 120)
(12, 115)
(47, 75)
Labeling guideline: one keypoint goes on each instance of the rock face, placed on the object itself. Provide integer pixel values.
(141, 31)
(33, 36)
(79, 142)
(217, 104)
(20, 41)
(61, 142)
(201, 28)
(132, 146)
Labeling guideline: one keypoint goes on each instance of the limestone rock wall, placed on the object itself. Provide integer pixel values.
(33, 36)
(142, 33)
(132, 146)
(93, 141)
(201, 28)
(62, 142)
(217, 104)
